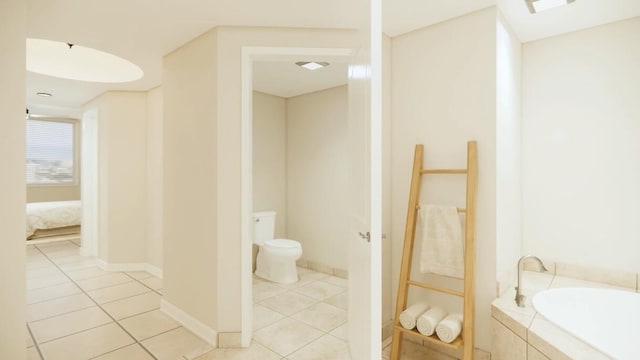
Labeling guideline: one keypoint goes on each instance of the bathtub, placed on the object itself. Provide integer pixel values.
(606, 319)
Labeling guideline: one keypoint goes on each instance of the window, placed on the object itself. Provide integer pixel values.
(50, 152)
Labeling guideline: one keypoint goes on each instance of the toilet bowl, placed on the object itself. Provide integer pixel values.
(276, 259)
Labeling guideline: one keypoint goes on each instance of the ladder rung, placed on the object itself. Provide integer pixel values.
(460, 210)
(443, 171)
(455, 344)
(435, 288)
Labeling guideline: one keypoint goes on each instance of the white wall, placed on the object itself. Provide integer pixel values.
(190, 214)
(581, 145)
(508, 153)
(317, 175)
(12, 182)
(443, 91)
(122, 176)
(270, 157)
(154, 177)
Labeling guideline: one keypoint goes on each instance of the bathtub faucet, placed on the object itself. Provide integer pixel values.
(520, 297)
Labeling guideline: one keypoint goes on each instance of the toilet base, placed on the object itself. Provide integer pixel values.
(278, 270)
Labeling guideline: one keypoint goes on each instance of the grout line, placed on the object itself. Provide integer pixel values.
(35, 343)
(101, 308)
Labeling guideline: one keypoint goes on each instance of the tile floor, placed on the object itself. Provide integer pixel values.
(75, 310)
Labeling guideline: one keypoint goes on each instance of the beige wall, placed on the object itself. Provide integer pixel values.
(581, 143)
(388, 294)
(508, 154)
(443, 91)
(12, 182)
(122, 176)
(204, 236)
(317, 175)
(53, 192)
(190, 214)
(154, 176)
(270, 158)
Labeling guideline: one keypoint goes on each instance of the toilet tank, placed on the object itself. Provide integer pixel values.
(264, 223)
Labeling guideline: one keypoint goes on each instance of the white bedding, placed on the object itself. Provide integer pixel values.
(54, 214)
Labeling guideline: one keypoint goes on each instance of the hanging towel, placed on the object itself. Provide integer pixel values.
(409, 317)
(442, 245)
(449, 328)
(428, 321)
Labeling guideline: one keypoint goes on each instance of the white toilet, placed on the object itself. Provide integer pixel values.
(276, 257)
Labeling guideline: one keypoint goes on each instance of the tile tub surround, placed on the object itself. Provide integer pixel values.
(526, 332)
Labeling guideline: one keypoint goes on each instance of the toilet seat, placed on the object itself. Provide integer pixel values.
(282, 243)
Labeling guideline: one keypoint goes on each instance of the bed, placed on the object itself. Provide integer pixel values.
(55, 218)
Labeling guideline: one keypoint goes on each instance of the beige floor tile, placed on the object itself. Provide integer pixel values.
(133, 305)
(334, 280)
(37, 263)
(131, 352)
(87, 344)
(288, 303)
(340, 332)
(264, 290)
(341, 300)
(58, 306)
(117, 292)
(176, 344)
(63, 253)
(52, 292)
(263, 316)
(73, 259)
(309, 276)
(148, 324)
(56, 246)
(43, 271)
(286, 336)
(326, 347)
(139, 274)
(322, 316)
(33, 354)
(103, 281)
(29, 339)
(253, 352)
(152, 282)
(86, 273)
(59, 326)
(46, 281)
(319, 290)
(81, 263)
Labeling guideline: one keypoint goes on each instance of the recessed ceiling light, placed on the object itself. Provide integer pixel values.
(536, 6)
(312, 65)
(44, 94)
(75, 62)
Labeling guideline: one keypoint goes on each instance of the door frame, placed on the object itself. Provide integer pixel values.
(249, 55)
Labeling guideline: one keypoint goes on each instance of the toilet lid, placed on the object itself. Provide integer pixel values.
(282, 243)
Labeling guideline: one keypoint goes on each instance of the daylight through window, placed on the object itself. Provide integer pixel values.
(50, 152)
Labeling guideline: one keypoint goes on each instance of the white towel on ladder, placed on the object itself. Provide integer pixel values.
(442, 246)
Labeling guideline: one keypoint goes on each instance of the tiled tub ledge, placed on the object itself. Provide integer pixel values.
(522, 333)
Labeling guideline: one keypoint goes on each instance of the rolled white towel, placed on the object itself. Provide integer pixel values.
(428, 321)
(409, 317)
(449, 328)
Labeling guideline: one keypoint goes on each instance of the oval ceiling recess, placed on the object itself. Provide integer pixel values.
(67, 61)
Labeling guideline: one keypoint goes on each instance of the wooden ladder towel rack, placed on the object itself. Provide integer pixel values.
(468, 294)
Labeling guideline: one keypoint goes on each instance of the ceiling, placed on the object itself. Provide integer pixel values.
(143, 31)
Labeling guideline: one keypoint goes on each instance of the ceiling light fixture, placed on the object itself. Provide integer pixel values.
(44, 94)
(536, 6)
(71, 61)
(312, 65)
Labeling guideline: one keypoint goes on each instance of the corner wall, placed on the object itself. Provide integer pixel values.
(154, 177)
(13, 17)
(317, 175)
(580, 147)
(443, 92)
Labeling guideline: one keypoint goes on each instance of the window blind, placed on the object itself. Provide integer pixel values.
(50, 149)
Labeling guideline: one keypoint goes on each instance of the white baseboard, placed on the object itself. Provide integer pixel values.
(153, 270)
(192, 324)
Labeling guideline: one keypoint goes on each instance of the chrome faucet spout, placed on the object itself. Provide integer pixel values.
(519, 296)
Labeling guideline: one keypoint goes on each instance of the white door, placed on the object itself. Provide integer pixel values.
(365, 99)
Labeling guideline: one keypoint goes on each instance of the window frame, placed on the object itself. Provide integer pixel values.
(76, 151)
